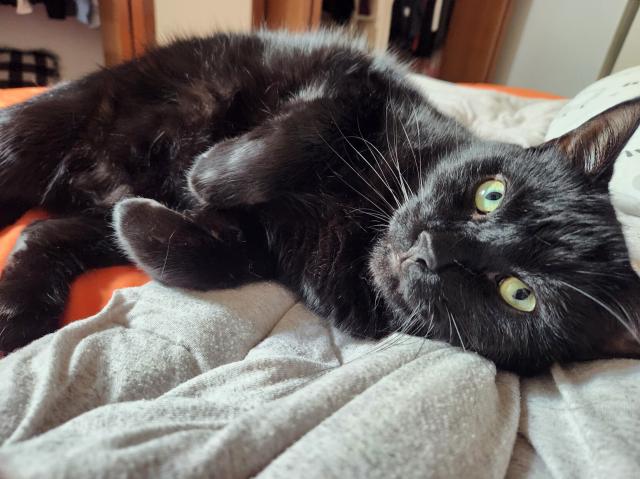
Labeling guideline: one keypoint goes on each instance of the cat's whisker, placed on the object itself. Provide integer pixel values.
(383, 221)
(375, 190)
(597, 273)
(377, 207)
(627, 325)
(426, 335)
(377, 298)
(368, 163)
(452, 321)
(386, 129)
(415, 158)
(372, 213)
(400, 335)
(386, 162)
(415, 117)
(166, 256)
(3, 330)
(392, 340)
(394, 159)
(410, 322)
(634, 333)
(373, 203)
(455, 324)
(408, 190)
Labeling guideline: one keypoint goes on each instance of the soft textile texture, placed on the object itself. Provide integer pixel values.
(167, 383)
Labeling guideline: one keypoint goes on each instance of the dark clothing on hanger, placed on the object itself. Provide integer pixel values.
(56, 9)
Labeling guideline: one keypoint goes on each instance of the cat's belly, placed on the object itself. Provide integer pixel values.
(322, 255)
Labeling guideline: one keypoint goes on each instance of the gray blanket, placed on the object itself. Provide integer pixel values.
(167, 383)
(246, 382)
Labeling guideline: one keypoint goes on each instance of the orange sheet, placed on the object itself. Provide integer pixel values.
(91, 291)
(512, 90)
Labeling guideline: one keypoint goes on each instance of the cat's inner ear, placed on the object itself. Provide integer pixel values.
(594, 146)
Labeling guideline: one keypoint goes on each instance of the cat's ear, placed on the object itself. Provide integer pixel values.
(594, 146)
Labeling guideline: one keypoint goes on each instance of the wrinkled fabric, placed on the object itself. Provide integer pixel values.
(166, 383)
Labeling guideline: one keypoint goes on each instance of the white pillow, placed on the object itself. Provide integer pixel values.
(625, 184)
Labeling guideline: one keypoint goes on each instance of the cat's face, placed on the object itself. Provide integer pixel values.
(512, 253)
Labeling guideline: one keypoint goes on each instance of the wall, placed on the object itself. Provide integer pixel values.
(79, 47)
(200, 17)
(558, 46)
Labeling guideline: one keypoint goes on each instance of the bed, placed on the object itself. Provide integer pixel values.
(247, 382)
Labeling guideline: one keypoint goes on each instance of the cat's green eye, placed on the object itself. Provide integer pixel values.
(517, 294)
(489, 195)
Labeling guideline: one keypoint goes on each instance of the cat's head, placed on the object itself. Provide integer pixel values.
(516, 253)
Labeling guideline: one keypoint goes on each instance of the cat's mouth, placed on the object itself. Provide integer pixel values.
(403, 278)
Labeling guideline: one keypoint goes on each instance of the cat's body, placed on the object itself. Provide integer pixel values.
(301, 159)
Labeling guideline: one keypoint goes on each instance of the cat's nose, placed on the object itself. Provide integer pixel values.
(432, 250)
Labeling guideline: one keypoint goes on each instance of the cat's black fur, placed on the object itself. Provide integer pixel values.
(304, 159)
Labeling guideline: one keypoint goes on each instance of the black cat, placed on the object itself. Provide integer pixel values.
(303, 158)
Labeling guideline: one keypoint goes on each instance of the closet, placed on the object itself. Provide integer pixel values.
(453, 39)
(50, 42)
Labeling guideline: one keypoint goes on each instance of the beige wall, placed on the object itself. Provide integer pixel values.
(558, 46)
(200, 17)
(78, 46)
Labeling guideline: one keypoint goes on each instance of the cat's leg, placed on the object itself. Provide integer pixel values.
(35, 139)
(13, 198)
(215, 252)
(35, 282)
(288, 153)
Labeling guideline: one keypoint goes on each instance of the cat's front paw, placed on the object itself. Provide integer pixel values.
(26, 313)
(177, 252)
(232, 173)
(162, 242)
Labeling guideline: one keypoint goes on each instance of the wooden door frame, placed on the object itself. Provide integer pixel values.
(128, 29)
(475, 34)
(292, 15)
